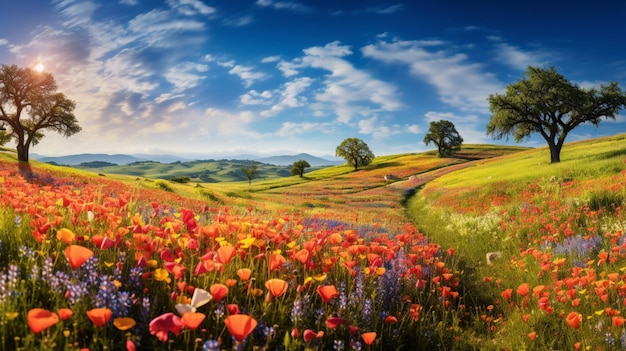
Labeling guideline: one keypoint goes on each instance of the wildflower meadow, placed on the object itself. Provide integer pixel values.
(339, 260)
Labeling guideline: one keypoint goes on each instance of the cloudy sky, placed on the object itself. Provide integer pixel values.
(270, 77)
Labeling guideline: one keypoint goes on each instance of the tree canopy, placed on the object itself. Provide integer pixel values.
(29, 104)
(545, 102)
(355, 151)
(444, 134)
(250, 172)
(298, 167)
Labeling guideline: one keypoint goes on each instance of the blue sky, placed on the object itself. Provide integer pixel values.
(271, 77)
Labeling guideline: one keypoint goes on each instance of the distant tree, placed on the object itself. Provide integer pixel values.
(250, 172)
(298, 167)
(545, 102)
(355, 152)
(29, 104)
(445, 136)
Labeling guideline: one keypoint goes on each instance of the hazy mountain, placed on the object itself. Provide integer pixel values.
(121, 159)
(287, 160)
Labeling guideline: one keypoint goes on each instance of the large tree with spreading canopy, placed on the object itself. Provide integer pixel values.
(355, 151)
(545, 102)
(30, 104)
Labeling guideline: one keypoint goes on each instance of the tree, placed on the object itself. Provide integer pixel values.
(250, 172)
(355, 152)
(298, 167)
(29, 104)
(545, 102)
(444, 135)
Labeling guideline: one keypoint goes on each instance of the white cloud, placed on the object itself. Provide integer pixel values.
(290, 96)
(253, 97)
(284, 5)
(518, 59)
(385, 10)
(348, 91)
(191, 7)
(238, 22)
(378, 129)
(459, 83)
(270, 59)
(247, 74)
(185, 75)
(293, 128)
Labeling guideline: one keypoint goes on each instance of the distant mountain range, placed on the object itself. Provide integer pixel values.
(121, 159)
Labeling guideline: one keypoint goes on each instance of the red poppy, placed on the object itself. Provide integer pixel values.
(100, 316)
(391, 320)
(40, 319)
(240, 325)
(218, 291)
(327, 292)
(65, 313)
(77, 255)
(225, 254)
(165, 323)
(368, 338)
(573, 319)
(309, 335)
(532, 335)
(192, 320)
(618, 321)
(244, 274)
(277, 287)
(232, 308)
(507, 294)
(334, 322)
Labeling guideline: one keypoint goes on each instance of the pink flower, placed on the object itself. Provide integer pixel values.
(165, 323)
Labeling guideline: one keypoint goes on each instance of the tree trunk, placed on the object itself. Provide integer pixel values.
(22, 152)
(555, 153)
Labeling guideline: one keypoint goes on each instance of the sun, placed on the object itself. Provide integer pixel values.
(39, 67)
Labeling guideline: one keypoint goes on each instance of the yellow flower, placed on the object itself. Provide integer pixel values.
(11, 315)
(161, 274)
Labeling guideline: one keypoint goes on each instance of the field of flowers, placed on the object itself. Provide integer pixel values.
(90, 263)
(547, 242)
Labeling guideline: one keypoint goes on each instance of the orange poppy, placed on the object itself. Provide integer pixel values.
(368, 338)
(240, 325)
(65, 235)
(523, 289)
(225, 254)
(276, 260)
(618, 321)
(327, 292)
(40, 319)
(277, 287)
(192, 320)
(77, 255)
(124, 323)
(573, 319)
(302, 256)
(100, 316)
(231, 282)
(244, 274)
(65, 313)
(218, 291)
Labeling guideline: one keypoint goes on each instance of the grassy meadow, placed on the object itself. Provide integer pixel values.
(494, 249)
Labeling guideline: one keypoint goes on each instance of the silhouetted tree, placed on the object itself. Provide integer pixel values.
(29, 104)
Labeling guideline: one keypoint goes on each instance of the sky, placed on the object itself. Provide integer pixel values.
(281, 77)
